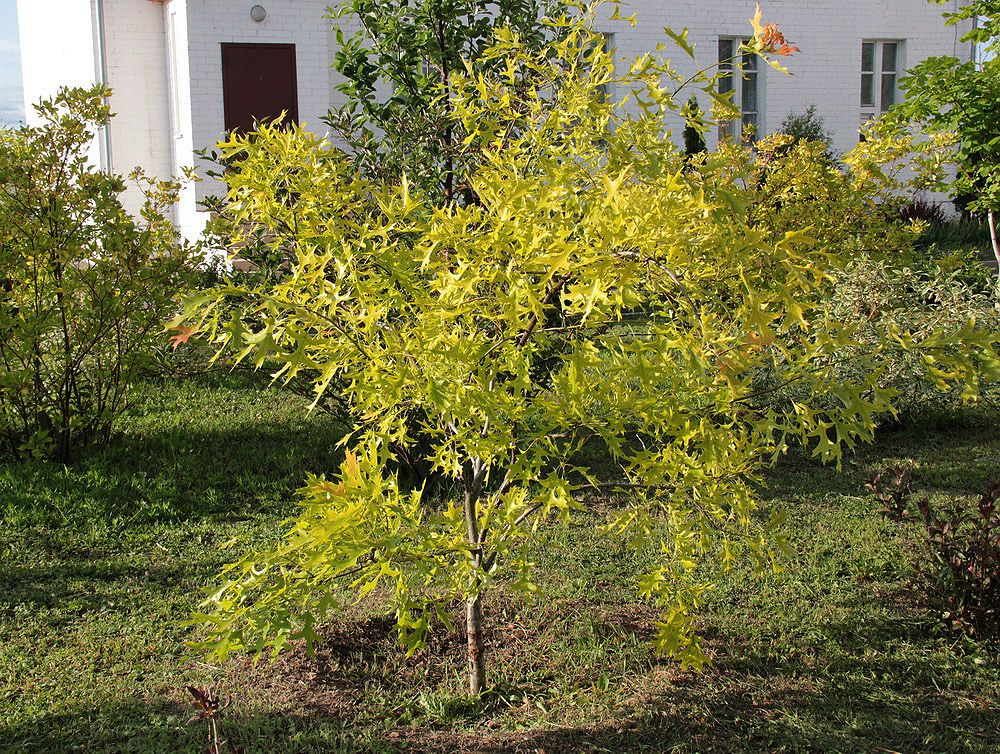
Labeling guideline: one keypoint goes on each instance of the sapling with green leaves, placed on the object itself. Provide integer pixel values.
(396, 59)
(694, 129)
(596, 295)
(945, 96)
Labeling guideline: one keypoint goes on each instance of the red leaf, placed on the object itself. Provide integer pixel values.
(183, 335)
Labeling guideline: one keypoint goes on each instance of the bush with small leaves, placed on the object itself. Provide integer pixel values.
(918, 295)
(808, 126)
(87, 286)
(956, 100)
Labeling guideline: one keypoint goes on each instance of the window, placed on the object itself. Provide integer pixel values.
(880, 64)
(746, 96)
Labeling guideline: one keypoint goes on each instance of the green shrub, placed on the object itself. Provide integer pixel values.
(808, 126)
(87, 286)
(919, 296)
(694, 129)
(411, 48)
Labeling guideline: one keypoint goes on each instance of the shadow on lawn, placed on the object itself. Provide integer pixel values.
(881, 685)
(154, 729)
(83, 582)
(946, 447)
(187, 450)
(755, 703)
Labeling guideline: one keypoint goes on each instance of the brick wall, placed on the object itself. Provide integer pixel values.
(137, 73)
(58, 46)
(827, 72)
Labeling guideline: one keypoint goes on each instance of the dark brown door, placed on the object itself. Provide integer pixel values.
(258, 82)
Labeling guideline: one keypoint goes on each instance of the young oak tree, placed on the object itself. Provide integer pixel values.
(597, 292)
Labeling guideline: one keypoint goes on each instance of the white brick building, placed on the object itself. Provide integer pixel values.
(184, 70)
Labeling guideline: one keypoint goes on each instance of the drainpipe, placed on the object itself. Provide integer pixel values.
(954, 41)
(973, 47)
(102, 74)
(974, 53)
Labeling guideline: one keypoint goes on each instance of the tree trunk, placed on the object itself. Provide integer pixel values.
(474, 602)
(477, 659)
(991, 217)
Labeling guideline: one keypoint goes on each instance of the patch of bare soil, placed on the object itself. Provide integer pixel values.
(360, 658)
(327, 682)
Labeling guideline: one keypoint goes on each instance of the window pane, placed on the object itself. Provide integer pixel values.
(749, 103)
(868, 56)
(749, 62)
(725, 50)
(888, 91)
(867, 90)
(889, 56)
(726, 83)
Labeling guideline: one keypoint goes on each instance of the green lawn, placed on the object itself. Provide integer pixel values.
(102, 561)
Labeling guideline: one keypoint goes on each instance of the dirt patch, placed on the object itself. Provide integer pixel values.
(356, 674)
(330, 681)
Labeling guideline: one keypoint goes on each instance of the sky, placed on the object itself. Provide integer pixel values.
(11, 100)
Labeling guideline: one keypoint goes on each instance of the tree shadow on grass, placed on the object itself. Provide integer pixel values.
(886, 683)
(196, 451)
(90, 583)
(139, 728)
(947, 449)
(834, 700)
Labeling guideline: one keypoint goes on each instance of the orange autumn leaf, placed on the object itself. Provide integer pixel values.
(330, 488)
(183, 335)
(771, 39)
(758, 340)
(352, 466)
(774, 41)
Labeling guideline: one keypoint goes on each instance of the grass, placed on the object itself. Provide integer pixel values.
(102, 561)
(957, 234)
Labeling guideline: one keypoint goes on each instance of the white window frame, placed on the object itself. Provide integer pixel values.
(751, 80)
(875, 76)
